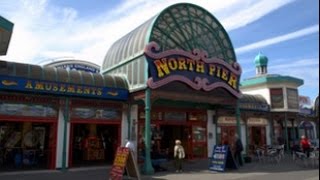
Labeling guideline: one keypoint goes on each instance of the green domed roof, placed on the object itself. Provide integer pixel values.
(261, 60)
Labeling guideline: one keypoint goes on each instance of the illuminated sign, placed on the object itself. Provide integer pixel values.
(23, 84)
(194, 69)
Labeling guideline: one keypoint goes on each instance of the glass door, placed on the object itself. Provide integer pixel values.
(199, 141)
(228, 135)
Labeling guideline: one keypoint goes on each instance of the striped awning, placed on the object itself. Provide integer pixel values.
(253, 102)
(34, 78)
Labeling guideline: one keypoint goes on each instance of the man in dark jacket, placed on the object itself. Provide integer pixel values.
(238, 150)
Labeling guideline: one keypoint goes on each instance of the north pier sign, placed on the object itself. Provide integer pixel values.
(194, 69)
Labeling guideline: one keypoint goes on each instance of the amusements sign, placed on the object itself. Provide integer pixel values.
(219, 158)
(69, 89)
(124, 159)
(192, 68)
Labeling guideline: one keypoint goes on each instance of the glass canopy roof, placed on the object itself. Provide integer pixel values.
(181, 26)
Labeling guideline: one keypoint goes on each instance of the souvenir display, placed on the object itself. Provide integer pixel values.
(93, 149)
(41, 132)
(3, 130)
(13, 140)
(31, 139)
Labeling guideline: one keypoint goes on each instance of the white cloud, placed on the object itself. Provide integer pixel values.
(278, 39)
(310, 62)
(42, 31)
(250, 11)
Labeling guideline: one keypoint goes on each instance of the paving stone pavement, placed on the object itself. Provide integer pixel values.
(193, 170)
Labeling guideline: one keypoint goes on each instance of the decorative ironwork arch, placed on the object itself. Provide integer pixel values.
(181, 26)
(188, 27)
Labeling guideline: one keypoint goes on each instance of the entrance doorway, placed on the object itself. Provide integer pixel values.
(170, 134)
(228, 135)
(193, 138)
(93, 144)
(257, 136)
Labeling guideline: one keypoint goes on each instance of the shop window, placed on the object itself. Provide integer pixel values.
(25, 145)
(198, 134)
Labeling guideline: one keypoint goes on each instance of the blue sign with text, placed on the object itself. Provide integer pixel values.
(61, 88)
(219, 158)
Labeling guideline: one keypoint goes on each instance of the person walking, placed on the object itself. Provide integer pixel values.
(305, 145)
(238, 150)
(179, 155)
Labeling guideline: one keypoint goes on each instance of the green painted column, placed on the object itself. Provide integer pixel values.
(148, 169)
(64, 148)
(286, 131)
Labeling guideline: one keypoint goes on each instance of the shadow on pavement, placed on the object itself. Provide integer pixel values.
(202, 166)
(190, 167)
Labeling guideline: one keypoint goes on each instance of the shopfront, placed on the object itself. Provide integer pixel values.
(178, 74)
(257, 134)
(167, 125)
(286, 130)
(227, 129)
(95, 132)
(53, 118)
(28, 126)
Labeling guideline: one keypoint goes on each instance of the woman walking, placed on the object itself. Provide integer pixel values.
(179, 155)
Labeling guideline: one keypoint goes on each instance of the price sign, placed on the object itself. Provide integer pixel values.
(219, 158)
(119, 163)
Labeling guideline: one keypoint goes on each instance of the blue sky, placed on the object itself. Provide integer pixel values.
(286, 31)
